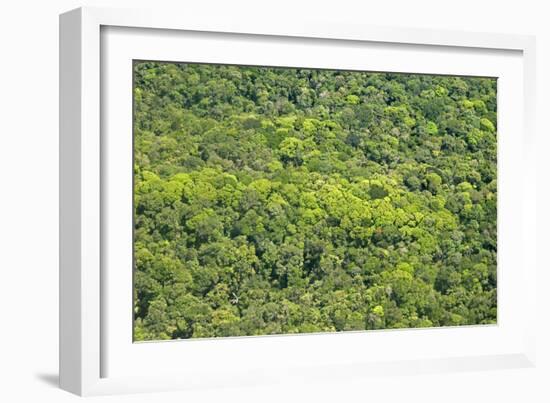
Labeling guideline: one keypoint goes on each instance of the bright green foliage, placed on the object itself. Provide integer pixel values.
(275, 200)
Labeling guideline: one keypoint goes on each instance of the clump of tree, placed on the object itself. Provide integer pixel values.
(282, 200)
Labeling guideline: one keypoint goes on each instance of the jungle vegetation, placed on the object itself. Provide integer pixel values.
(287, 200)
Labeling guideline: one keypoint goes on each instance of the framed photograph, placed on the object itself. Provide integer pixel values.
(248, 202)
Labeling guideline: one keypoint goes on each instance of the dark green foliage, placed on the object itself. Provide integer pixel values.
(275, 200)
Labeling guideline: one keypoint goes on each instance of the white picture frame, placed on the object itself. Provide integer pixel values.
(96, 354)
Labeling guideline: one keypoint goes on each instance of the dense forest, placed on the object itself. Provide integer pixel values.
(285, 200)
